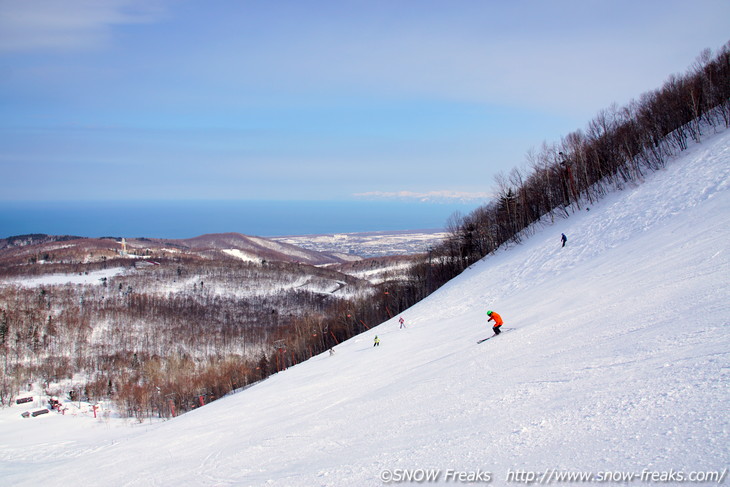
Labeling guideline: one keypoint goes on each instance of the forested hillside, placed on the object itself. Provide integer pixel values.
(141, 320)
(620, 146)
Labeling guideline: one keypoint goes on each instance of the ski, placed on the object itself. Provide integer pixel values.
(504, 330)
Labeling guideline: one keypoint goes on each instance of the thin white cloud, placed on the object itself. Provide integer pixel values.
(429, 196)
(30, 25)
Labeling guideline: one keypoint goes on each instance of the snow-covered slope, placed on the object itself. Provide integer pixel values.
(618, 361)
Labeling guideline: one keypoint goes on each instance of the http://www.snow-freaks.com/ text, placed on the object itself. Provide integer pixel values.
(551, 476)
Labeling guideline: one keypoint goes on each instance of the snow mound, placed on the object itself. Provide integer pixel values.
(81, 278)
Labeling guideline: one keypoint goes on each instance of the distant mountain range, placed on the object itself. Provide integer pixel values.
(33, 239)
(310, 249)
(235, 245)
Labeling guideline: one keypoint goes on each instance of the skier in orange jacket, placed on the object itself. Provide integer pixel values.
(497, 321)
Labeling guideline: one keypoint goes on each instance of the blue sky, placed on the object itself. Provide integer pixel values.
(313, 100)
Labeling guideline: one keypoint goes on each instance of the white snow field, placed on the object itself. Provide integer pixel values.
(617, 365)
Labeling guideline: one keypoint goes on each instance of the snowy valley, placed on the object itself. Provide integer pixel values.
(163, 326)
(372, 244)
(617, 361)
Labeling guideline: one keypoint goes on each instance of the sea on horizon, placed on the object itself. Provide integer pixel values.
(186, 219)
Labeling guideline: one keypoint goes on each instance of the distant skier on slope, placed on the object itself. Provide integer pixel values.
(402, 322)
(497, 321)
(563, 238)
(376, 343)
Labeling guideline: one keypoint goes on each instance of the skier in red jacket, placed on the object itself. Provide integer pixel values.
(497, 321)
